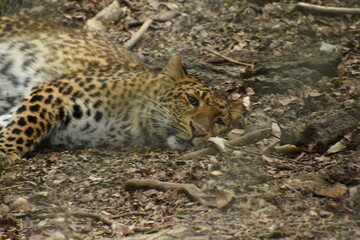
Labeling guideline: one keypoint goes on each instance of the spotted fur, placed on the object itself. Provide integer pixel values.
(75, 89)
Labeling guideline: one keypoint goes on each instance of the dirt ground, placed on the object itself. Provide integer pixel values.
(304, 86)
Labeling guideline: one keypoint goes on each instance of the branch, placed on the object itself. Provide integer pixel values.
(322, 9)
(190, 190)
(251, 137)
(228, 59)
(93, 215)
(136, 37)
(111, 13)
(99, 217)
(10, 187)
(121, 228)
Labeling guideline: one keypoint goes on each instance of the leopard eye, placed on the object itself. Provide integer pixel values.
(193, 101)
(219, 121)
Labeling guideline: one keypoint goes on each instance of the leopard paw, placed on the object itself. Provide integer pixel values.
(7, 159)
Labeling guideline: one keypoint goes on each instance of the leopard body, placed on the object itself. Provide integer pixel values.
(72, 88)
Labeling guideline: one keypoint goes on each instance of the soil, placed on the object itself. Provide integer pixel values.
(306, 91)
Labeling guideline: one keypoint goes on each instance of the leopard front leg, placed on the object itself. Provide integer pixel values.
(35, 117)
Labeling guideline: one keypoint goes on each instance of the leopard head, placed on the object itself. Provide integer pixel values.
(190, 111)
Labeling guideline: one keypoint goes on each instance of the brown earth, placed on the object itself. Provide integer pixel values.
(254, 191)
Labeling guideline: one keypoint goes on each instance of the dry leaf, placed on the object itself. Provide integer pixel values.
(317, 185)
(337, 147)
(335, 190)
(57, 235)
(288, 149)
(37, 237)
(27, 223)
(217, 173)
(275, 130)
(247, 102)
(21, 204)
(220, 143)
(224, 197)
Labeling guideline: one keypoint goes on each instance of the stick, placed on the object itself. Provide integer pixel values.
(136, 37)
(190, 190)
(129, 214)
(227, 58)
(323, 9)
(99, 217)
(251, 137)
(93, 215)
(10, 187)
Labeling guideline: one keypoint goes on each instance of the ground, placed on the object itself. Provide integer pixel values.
(307, 96)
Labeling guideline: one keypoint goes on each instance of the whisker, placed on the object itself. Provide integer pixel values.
(160, 122)
(143, 115)
(164, 113)
(159, 108)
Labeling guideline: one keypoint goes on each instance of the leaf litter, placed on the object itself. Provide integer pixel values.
(298, 193)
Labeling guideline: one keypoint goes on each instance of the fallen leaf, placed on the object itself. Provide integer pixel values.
(333, 190)
(286, 100)
(247, 102)
(94, 179)
(220, 143)
(21, 204)
(318, 186)
(337, 147)
(27, 223)
(224, 197)
(121, 230)
(275, 130)
(37, 237)
(217, 173)
(288, 149)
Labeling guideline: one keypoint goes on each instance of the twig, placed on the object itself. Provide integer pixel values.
(323, 9)
(248, 138)
(129, 214)
(136, 37)
(93, 215)
(10, 187)
(99, 217)
(150, 230)
(228, 58)
(190, 190)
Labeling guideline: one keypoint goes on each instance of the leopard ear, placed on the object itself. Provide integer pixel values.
(175, 69)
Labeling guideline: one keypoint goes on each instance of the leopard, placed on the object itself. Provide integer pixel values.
(71, 88)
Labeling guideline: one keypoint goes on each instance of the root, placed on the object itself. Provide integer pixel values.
(193, 192)
(251, 137)
(324, 10)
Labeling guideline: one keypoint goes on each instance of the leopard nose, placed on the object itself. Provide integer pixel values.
(197, 131)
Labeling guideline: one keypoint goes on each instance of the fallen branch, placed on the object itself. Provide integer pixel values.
(323, 9)
(111, 13)
(175, 232)
(124, 229)
(93, 215)
(228, 58)
(99, 217)
(136, 37)
(251, 137)
(10, 187)
(130, 214)
(190, 190)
